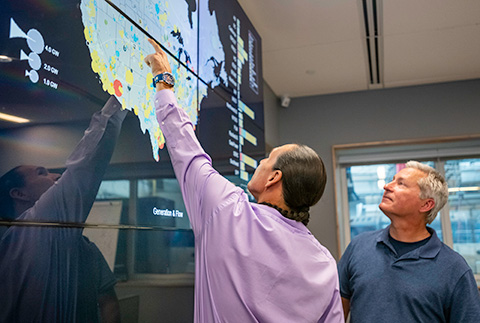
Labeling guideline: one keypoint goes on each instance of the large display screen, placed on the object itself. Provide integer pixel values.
(61, 59)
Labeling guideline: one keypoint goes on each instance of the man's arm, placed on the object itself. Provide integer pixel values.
(346, 307)
(465, 306)
(109, 306)
(345, 280)
(72, 197)
(202, 187)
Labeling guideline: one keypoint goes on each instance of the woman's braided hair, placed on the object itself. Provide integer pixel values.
(303, 179)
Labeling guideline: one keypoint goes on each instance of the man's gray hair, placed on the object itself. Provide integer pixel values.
(432, 186)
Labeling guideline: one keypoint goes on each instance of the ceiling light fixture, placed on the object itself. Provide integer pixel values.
(11, 118)
(464, 189)
(5, 59)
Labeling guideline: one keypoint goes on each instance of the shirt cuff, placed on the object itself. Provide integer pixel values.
(163, 99)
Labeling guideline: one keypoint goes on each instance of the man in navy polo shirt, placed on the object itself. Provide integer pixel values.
(404, 273)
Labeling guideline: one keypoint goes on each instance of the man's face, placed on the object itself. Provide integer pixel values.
(37, 181)
(264, 171)
(402, 195)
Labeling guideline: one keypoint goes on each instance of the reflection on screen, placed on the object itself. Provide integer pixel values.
(219, 45)
(66, 58)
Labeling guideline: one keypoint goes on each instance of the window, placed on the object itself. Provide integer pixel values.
(463, 178)
(361, 171)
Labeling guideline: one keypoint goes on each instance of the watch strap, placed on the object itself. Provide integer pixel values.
(166, 78)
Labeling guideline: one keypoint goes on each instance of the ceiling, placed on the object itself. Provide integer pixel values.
(313, 47)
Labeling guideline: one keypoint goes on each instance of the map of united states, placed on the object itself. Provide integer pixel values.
(117, 50)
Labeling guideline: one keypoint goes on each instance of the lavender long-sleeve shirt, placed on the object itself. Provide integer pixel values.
(252, 264)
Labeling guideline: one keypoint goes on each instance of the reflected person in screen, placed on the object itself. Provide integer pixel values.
(54, 274)
(254, 262)
(404, 273)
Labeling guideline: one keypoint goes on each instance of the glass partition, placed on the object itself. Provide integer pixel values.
(463, 177)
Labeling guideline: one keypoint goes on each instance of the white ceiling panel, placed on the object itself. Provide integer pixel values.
(320, 69)
(412, 16)
(432, 56)
(420, 41)
(286, 24)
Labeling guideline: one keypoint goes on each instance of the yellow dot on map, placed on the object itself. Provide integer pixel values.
(149, 78)
(121, 32)
(94, 66)
(162, 19)
(95, 62)
(147, 110)
(88, 34)
(91, 7)
(129, 76)
(110, 89)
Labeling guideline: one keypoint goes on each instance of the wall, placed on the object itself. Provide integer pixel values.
(160, 304)
(429, 111)
(271, 107)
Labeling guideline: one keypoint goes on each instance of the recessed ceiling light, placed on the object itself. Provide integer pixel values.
(5, 59)
(11, 118)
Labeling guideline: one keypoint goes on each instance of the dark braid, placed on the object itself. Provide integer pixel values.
(303, 180)
(301, 216)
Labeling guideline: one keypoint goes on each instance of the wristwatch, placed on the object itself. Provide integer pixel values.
(166, 78)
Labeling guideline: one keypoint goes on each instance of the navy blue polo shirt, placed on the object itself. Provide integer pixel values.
(432, 283)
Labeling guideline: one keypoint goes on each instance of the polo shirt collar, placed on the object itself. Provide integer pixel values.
(428, 250)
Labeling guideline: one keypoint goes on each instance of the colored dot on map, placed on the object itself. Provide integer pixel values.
(129, 76)
(117, 85)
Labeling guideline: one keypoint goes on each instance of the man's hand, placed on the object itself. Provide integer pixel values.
(158, 62)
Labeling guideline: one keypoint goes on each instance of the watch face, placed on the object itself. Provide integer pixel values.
(168, 78)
